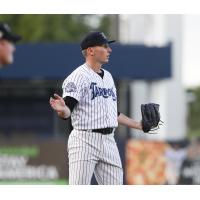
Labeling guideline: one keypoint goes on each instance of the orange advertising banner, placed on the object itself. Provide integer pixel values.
(145, 162)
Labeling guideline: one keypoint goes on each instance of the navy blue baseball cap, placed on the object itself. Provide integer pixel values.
(6, 33)
(94, 39)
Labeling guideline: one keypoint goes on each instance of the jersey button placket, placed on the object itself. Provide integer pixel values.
(105, 104)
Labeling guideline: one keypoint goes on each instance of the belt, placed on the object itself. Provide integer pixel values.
(104, 131)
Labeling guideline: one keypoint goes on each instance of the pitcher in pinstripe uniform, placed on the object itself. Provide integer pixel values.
(90, 98)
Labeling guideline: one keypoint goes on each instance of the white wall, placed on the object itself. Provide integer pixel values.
(158, 30)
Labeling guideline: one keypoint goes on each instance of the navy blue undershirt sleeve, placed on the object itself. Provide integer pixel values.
(70, 102)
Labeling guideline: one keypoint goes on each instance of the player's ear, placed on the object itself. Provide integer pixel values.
(90, 51)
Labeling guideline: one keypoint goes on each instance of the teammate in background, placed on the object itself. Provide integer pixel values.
(7, 48)
(90, 98)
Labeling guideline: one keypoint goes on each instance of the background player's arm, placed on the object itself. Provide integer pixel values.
(126, 121)
(58, 104)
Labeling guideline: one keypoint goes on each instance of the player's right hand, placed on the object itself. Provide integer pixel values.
(57, 103)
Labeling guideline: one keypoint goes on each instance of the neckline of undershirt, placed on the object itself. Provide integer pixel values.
(101, 74)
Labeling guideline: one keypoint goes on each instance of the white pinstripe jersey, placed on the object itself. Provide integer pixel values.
(97, 98)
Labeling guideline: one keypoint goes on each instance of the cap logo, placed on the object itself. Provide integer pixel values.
(7, 27)
(103, 35)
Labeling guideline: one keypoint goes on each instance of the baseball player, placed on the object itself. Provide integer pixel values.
(7, 48)
(90, 98)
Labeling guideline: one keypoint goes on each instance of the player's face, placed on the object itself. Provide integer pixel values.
(7, 49)
(102, 53)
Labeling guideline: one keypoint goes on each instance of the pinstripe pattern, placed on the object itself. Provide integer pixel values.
(91, 152)
(97, 113)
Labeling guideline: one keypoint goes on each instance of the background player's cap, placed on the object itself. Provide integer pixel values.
(5, 33)
(94, 39)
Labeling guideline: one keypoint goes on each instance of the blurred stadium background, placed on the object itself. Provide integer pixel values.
(147, 64)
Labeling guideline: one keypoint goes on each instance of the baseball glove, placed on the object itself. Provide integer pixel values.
(150, 117)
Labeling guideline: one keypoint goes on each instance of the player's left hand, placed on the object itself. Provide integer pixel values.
(150, 117)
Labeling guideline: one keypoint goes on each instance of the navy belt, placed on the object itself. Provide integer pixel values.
(104, 131)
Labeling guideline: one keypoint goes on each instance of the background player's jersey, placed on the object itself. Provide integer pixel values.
(97, 98)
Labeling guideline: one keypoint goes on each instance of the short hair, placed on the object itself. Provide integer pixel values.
(84, 53)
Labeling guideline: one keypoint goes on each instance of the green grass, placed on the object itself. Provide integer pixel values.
(31, 151)
(34, 182)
